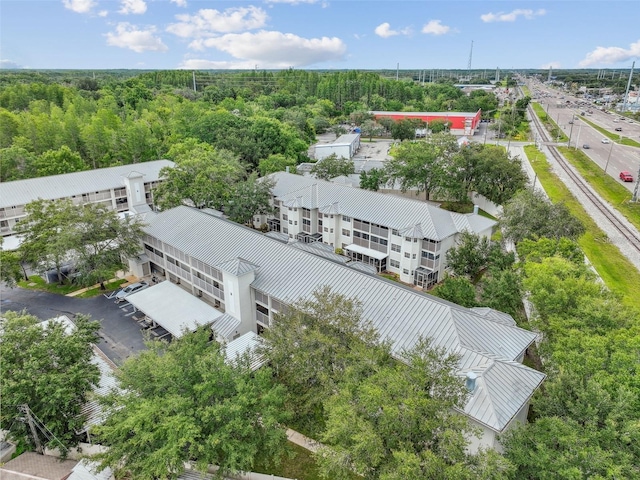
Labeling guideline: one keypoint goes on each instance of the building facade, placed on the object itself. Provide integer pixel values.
(123, 188)
(252, 277)
(345, 146)
(461, 123)
(403, 236)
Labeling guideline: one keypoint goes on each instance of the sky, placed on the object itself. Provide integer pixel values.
(318, 34)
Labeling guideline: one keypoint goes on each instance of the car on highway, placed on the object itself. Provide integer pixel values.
(586, 146)
(130, 290)
(618, 129)
(605, 140)
(626, 176)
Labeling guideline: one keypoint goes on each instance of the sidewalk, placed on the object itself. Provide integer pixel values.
(129, 280)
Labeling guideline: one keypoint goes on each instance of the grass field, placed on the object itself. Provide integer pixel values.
(550, 125)
(618, 274)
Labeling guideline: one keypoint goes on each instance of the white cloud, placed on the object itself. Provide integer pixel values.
(103, 13)
(435, 27)
(292, 2)
(200, 64)
(384, 30)
(137, 7)
(275, 49)
(547, 66)
(609, 55)
(208, 22)
(180, 3)
(129, 36)
(9, 65)
(79, 6)
(512, 16)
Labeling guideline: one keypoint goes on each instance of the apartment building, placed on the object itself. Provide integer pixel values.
(251, 277)
(122, 188)
(392, 233)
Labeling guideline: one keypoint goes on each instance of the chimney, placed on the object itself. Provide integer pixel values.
(471, 381)
(475, 209)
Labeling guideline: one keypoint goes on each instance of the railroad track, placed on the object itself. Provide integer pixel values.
(627, 233)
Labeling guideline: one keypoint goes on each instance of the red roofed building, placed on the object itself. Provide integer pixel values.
(462, 123)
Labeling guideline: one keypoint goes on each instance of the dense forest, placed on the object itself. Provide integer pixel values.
(77, 122)
(584, 421)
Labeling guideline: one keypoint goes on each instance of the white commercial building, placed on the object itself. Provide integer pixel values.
(251, 276)
(344, 146)
(123, 188)
(392, 233)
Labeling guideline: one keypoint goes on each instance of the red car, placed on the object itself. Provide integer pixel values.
(626, 177)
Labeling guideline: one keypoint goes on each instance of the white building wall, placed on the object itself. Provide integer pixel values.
(340, 150)
(411, 248)
(238, 303)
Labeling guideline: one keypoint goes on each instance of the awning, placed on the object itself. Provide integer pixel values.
(367, 251)
(173, 309)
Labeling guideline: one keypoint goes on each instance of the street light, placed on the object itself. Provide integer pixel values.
(609, 157)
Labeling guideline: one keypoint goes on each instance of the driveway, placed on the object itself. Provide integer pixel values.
(120, 335)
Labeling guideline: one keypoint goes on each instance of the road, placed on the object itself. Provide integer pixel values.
(120, 335)
(610, 156)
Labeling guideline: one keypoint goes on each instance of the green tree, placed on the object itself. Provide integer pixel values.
(48, 369)
(276, 163)
(373, 179)
(332, 166)
(457, 290)
(473, 255)
(11, 271)
(499, 177)
(57, 162)
(404, 129)
(537, 250)
(313, 344)
(400, 422)
(183, 401)
(250, 197)
(371, 129)
(15, 163)
(101, 240)
(46, 242)
(502, 290)
(422, 165)
(530, 215)
(202, 177)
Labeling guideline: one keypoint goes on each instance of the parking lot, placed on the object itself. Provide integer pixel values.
(120, 335)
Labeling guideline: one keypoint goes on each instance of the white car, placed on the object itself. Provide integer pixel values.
(605, 140)
(129, 290)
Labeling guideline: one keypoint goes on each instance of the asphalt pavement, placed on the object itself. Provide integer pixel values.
(120, 335)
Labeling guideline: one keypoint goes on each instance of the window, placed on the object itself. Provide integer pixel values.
(395, 247)
(306, 222)
(407, 255)
(413, 256)
(290, 222)
(295, 222)
(326, 229)
(285, 217)
(394, 263)
(346, 232)
(408, 239)
(405, 271)
(346, 219)
(357, 234)
(331, 231)
(262, 309)
(395, 232)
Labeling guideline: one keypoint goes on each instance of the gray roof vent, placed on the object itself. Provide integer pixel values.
(471, 381)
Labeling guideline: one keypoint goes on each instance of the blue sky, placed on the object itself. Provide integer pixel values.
(317, 34)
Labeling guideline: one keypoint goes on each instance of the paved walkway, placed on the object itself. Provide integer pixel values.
(129, 280)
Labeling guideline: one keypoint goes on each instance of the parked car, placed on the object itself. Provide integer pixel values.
(618, 129)
(586, 146)
(129, 290)
(626, 176)
(605, 140)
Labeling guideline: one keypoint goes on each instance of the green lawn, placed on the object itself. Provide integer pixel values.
(550, 125)
(616, 271)
(36, 282)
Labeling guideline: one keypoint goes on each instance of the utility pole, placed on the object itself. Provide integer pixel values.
(626, 93)
(606, 165)
(571, 131)
(635, 189)
(397, 70)
(194, 81)
(32, 426)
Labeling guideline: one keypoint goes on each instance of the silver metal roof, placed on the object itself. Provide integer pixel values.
(363, 267)
(247, 344)
(88, 470)
(225, 326)
(21, 192)
(495, 315)
(329, 255)
(237, 266)
(282, 237)
(385, 209)
(401, 315)
(173, 308)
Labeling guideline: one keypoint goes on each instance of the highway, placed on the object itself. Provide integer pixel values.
(612, 156)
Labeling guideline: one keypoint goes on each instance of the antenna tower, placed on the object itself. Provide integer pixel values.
(470, 57)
